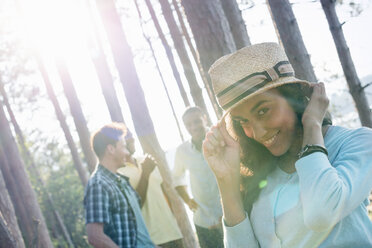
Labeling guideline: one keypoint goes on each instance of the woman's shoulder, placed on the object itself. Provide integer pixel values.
(341, 139)
(342, 133)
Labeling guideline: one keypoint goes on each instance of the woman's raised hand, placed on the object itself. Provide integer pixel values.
(221, 152)
(317, 107)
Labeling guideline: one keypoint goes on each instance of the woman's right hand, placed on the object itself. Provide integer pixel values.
(221, 152)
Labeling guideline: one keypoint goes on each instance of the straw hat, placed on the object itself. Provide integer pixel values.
(250, 71)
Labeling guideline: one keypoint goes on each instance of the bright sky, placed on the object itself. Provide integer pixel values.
(60, 28)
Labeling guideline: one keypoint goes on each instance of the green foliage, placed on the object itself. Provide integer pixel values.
(67, 192)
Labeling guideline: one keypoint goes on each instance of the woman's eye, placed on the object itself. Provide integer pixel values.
(262, 111)
(243, 122)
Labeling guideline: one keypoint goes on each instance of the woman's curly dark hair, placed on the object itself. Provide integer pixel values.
(256, 160)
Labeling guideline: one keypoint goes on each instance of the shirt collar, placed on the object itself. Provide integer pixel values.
(112, 176)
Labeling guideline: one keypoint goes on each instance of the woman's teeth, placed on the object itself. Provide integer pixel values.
(271, 140)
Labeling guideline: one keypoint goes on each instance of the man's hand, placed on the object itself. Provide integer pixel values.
(148, 165)
(97, 238)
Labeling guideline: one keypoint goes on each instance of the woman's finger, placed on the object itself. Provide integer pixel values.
(212, 137)
(226, 136)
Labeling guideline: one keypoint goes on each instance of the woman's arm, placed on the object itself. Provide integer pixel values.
(221, 152)
(331, 192)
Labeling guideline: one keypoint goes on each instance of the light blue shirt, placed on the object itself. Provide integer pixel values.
(143, 236)
(203, 184)
(323, 204)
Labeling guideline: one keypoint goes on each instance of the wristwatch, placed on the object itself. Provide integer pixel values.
(310, 148)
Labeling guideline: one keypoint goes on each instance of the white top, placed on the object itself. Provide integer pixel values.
(322, 204)
(160, 222)
(202, 181)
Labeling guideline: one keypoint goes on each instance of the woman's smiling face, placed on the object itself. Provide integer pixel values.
(269, 119)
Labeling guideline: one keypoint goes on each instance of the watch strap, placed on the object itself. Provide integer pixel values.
(311, 148)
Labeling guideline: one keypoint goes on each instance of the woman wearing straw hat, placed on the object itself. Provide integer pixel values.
(287, 177)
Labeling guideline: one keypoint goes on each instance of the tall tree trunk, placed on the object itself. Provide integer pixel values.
(62, 122)
(40, 237)
(24, 221)
(195, 55)
(34, 169)
(355, 87)
(211, 31)
(140, 115)
(169, 53)
(290, 36)
(103, 71)
(176, 35)
(158, 69)
(77, 114)
(10, 234)
(236, 22)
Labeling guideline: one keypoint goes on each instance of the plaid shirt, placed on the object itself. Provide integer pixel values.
(106, 201)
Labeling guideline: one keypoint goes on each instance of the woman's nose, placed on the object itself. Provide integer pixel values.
(254, 131)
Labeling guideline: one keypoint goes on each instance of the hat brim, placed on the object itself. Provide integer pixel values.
(269, 86)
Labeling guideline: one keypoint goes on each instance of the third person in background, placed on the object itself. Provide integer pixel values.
(205, 200)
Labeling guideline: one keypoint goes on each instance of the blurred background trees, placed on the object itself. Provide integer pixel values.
(106, 71)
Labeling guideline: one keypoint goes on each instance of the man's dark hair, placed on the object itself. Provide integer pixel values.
(109, 134)
(194, 109)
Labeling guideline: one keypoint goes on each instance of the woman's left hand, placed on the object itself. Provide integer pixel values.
(317, 106)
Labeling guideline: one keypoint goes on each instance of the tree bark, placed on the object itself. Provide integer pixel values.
(290, 36)
(195, 55)
(175, 33)
(77, 114)
(103, 72)
(62, 122)
(352, 79)
(211, 31)
(169, 53)
(236, 23)
(158, 69)
(34, 169)
(40, 237)
(20, 210)
(10, 234)
(140, 115)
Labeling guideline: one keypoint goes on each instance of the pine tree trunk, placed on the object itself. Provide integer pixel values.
(24, 222)
(77, 114)
(355, 87)
(236, 22)
(290, 36)
(175, 33)
(211, 31)
(103, 72)
(62, 122)
(169, 53)
(195, 55)
(34, 169)
(40, 236)
(10, 234)
(140, 115)
(107, 85)
(158, 69)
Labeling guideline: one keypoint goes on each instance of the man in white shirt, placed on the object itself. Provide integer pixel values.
(205, 202)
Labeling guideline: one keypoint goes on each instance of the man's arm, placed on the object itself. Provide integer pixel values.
(148, 166)
(97, 238)
(182, 191)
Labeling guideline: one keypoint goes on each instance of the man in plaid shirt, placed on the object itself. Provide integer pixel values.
(112, 207)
